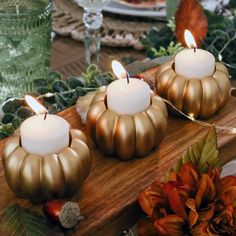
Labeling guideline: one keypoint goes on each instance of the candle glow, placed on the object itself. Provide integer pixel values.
(127, 97)
(35, 105)
(118, 70)
(189, 39)
(194, 64)
(41, 136)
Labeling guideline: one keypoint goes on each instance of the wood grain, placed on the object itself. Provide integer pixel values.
(108, 198)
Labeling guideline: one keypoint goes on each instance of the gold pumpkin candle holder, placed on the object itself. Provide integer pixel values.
(126, 136)
(41, 178)
(195, 97)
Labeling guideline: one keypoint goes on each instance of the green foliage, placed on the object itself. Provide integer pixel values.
(56, 93)
(160, 42)
(203, 154)
(22, 222)
(232, 3)
(172, 49)
(6, 130)
(220, 40)
(11, 105)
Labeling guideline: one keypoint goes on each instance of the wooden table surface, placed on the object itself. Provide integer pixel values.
(68, 56)
(108, 198)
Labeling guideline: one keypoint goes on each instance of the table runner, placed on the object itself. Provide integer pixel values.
(116, 31)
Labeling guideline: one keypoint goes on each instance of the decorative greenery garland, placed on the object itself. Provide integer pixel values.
(56, 94)
(220, 40)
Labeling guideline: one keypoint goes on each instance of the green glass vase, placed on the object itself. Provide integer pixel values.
(25, 31)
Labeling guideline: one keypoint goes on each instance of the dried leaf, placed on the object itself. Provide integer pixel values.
(203, 154)
(190, 15)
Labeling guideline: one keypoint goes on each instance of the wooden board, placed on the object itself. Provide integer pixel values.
(108, 198)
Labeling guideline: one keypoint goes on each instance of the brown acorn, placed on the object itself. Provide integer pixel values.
(67, 214)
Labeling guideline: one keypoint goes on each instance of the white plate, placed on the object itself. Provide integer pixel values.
(147, 4)
(124, 10)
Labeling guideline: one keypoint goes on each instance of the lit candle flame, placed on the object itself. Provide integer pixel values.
(35, 105)
(118, 70)
(189, 39)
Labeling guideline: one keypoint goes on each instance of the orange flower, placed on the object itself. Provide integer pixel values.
(191, 203)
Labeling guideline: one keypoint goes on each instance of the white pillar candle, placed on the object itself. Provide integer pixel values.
(43, 136)
(128, 98)
(194, 63)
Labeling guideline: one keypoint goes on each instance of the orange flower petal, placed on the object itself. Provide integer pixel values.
(148, 200)
(206, 191)
(188, 175)
(229, 180)
(201, 230)
(214, 174)
(228, 196)
(145, 227)
(222, 223)
(207, 212)
(225, 216)
(193, 215)
(227, 190)
(177, 203)
(157, 187)
(159, 212)
(170, 225)
(172, 176)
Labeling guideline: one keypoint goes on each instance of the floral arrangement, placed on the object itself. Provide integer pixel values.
(193, 200)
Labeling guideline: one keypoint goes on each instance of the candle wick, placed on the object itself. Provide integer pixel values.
(45, 116)
(194, 49)
(127, 77)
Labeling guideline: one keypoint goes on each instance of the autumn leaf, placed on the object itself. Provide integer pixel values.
(203, 154)
(190, 15)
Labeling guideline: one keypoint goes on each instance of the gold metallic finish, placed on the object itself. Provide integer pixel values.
(159, 124)
(145, 135)
(222, 67)
(126, 136)
(41, 178)
(105, 136)
(211, 96)
(158, 103)
(195, 97)
(97, 108)
(176, 91)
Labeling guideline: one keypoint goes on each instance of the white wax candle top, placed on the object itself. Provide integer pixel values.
(43, 137)
(128, 98)
(198, 64)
